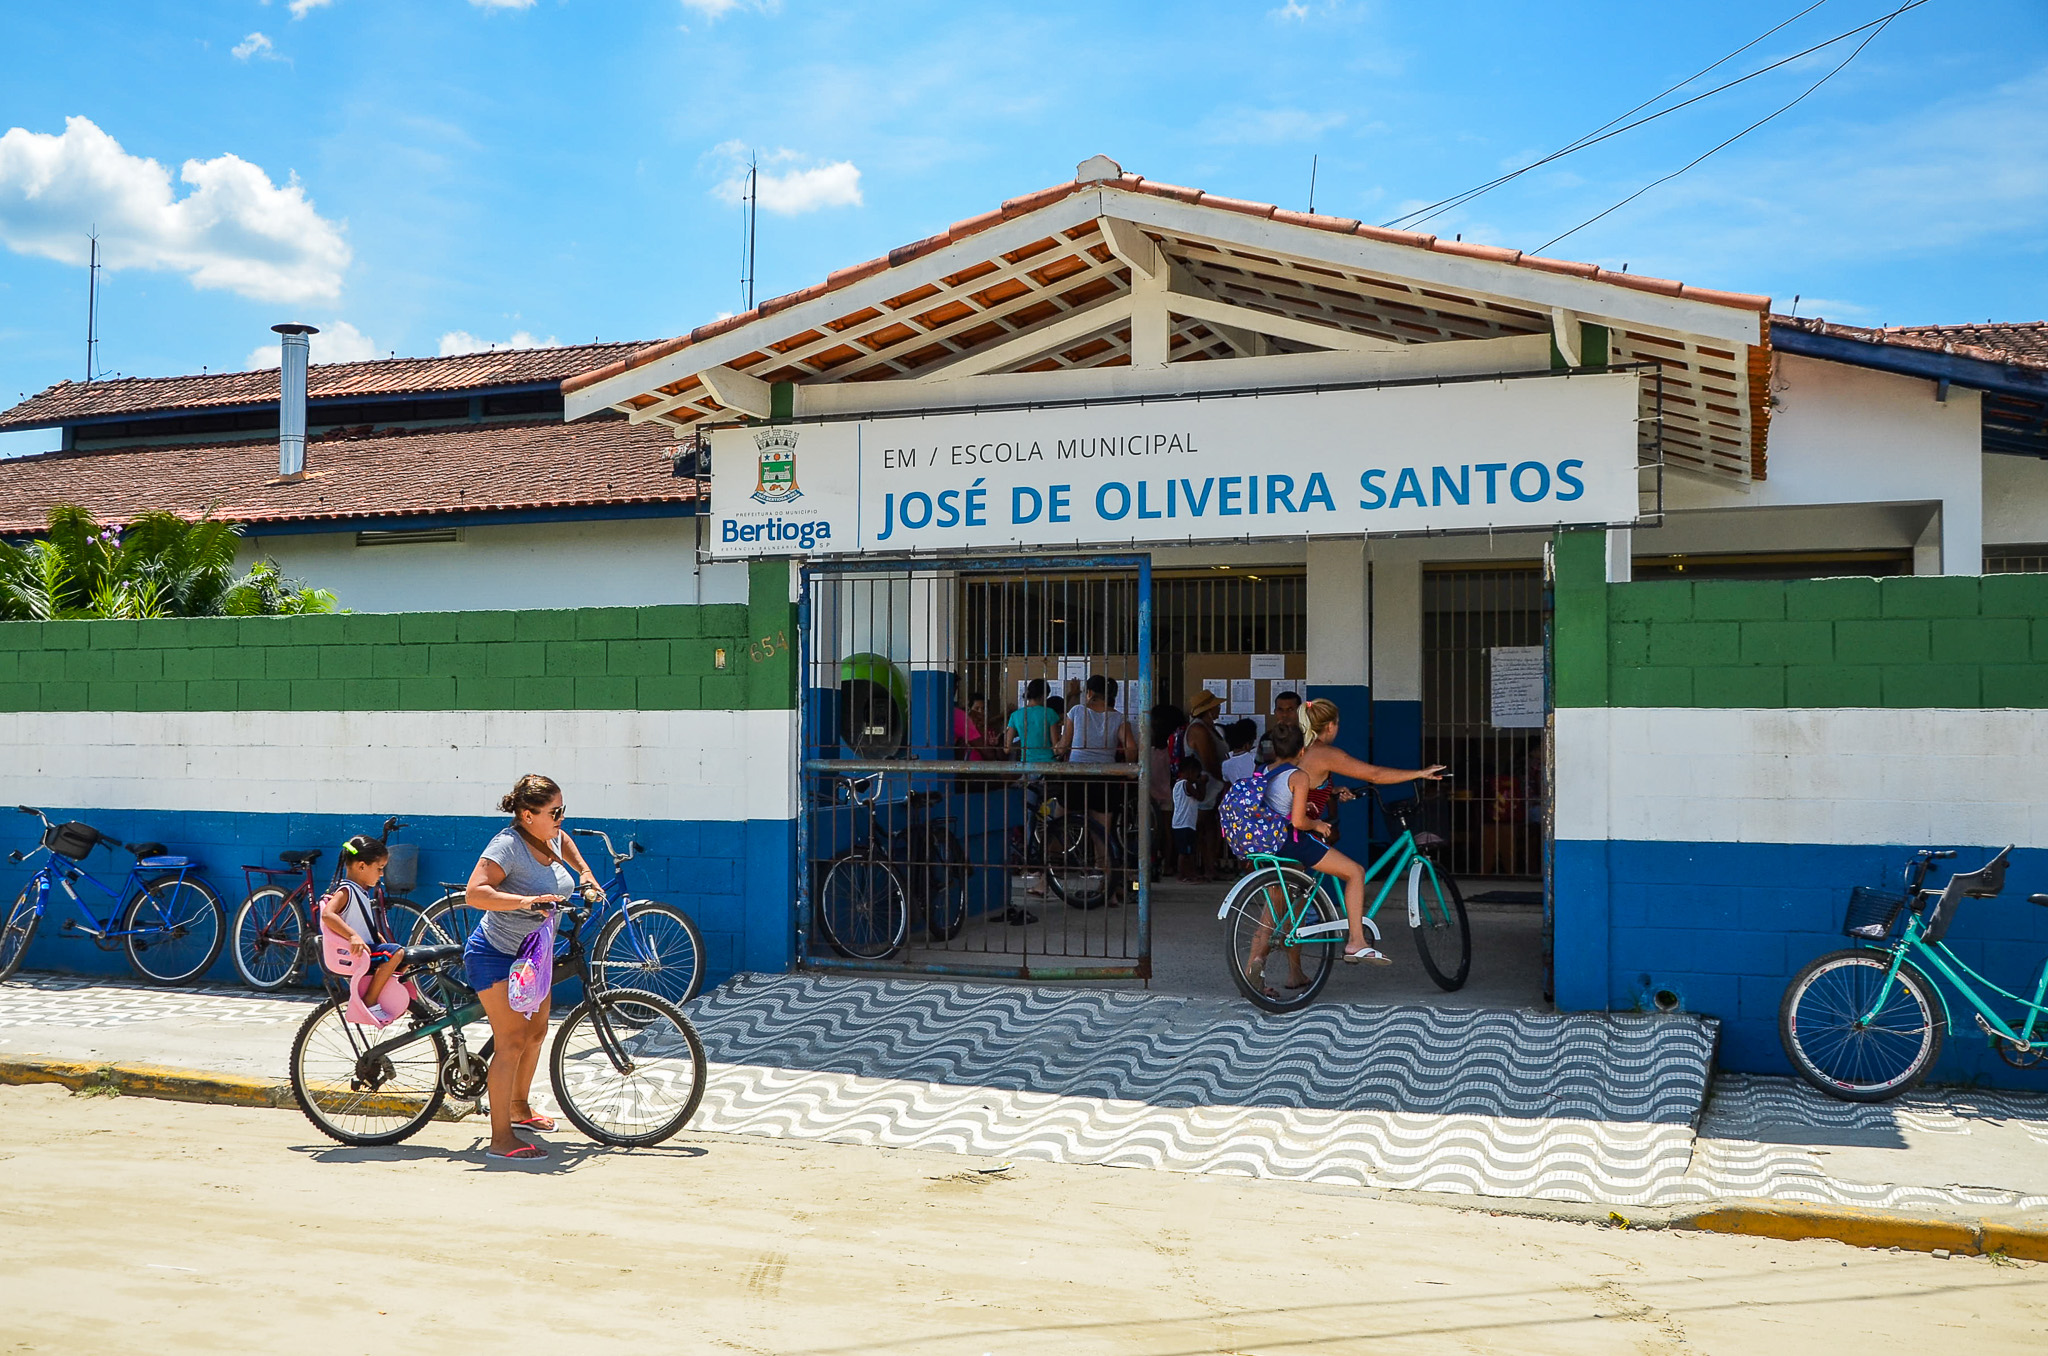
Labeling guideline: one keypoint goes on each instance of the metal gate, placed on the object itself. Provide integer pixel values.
(1470, 614)
(938, 831)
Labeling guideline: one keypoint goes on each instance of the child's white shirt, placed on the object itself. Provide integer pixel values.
(356, 910)
(1187, 807)
(1239, 766)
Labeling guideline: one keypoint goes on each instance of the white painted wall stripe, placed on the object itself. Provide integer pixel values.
(1852, 776)
(677, 765)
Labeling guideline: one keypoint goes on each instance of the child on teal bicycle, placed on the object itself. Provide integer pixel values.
(350, 912)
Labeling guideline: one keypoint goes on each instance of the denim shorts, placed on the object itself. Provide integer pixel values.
(1306, 848)
(484, 964)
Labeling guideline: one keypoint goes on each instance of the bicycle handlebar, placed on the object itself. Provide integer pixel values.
(618, 858)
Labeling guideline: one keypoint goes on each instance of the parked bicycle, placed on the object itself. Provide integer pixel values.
(646, 945)
(276, 938)
(626, 1066)
(1084, 864)
(164, 916)
(1866, 1024)
(868, 896)
(1281, 906)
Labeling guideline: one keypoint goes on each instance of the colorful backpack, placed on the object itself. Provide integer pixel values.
(1249, 824)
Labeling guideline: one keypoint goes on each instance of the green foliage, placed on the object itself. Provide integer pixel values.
(160, 565)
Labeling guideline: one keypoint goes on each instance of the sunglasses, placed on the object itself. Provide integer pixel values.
(554, 813)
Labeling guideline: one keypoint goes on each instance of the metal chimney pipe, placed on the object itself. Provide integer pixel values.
(291, 399)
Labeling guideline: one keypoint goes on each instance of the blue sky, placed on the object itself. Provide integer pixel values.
(414, 175)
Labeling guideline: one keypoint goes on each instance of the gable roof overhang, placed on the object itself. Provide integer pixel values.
(1116, 285)
(2014, 383)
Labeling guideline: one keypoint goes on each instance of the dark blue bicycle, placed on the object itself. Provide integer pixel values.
(648, 946)
(165, 916)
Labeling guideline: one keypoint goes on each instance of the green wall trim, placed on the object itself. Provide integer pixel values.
(601, 658)
(1955, 641)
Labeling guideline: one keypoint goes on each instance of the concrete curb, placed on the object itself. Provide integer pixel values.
(1790, 1220)
(1865, 1228)
(168, 1084)
(150, 1080)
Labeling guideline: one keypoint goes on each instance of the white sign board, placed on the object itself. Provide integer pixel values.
(1532, 452)
(1517, 686)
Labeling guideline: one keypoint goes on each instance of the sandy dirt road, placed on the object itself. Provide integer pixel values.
(130, 1225)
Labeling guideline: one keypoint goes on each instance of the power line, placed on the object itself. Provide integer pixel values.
(1600, 134)
(1738, 136)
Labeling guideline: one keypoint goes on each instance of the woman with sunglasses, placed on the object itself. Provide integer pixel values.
(528, 868)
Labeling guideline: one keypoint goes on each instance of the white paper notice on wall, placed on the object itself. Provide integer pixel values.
(1219, 688)
(1517, 686)
(1269, 666)
(1244, 693)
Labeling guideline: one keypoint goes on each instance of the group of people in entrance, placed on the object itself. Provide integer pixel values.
(1193, 762)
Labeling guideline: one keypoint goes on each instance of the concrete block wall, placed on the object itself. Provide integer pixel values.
(1734, 756)
(233, 739)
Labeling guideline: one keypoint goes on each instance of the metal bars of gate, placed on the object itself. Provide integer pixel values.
(965, 808)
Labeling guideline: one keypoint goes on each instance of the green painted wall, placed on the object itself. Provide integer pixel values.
(646, 658)
(1918, 641)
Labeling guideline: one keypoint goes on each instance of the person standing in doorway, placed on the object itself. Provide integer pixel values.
(1096, 732)
(1205, 742)
(1032, 726)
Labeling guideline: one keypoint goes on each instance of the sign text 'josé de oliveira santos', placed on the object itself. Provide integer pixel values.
(1462, 456)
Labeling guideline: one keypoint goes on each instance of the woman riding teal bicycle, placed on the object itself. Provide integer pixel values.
(1310, 748)
(528, 868)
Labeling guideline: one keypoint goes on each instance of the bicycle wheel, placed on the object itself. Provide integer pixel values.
(1443, 934)
(364, 1101)
(270, 935)
(661, 953)
(447, 921)
(861, 910)
(1072, 866)
(1820, 1023)
(1259, 905)
(942, 880)
(173, 930)
(403, 918)
(627, 1068)
(18, 930)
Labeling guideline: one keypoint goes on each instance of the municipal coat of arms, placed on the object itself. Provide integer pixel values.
(775, 482)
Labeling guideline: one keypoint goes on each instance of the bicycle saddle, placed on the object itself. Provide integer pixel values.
(299, 857)
(416, 956)
(926, 797)
(2042, 900)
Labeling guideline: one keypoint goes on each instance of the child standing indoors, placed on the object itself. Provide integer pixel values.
(350, 912)
(1244, 740)
(1190, 793)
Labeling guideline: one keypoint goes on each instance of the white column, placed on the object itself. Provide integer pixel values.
(1621, 545)
(1396, 622)
(1337, 632)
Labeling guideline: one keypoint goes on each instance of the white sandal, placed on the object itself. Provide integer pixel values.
(1367, 955)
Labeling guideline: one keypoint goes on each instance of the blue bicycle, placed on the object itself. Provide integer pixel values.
(165, 917)
(652, 947)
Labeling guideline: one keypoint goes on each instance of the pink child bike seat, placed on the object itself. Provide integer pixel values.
(358, 971)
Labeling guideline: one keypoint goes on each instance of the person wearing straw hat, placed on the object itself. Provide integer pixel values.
(1205, 741)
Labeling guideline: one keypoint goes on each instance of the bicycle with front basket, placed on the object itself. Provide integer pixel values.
(649, 946)
(626, 1066)
(275, 937)
(164, 916)
(1866, 1024)
(1281, 907)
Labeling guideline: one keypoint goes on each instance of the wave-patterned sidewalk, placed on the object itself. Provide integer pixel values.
(1492, 1102)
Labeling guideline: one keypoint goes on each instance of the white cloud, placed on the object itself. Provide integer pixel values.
(255, 45)
(300, 8)
(713, 10)
(1268, 126)
(793, 191)
(337, 342)
(462, 341)
(235, 230)
(502, 4)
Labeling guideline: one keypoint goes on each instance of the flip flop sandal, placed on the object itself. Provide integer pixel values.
(544, 1124)
(1367, 955)
(528, 1153)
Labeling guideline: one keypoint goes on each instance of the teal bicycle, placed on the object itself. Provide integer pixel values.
(1867, 1023)
(1283, 911)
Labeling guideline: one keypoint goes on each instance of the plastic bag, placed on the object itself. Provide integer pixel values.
(533, 971)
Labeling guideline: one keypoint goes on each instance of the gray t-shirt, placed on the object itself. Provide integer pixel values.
(525, 874)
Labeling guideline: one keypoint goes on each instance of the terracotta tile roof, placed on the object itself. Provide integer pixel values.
(69, 401)
(2023, 344)
(470, 468)
(1031, 202)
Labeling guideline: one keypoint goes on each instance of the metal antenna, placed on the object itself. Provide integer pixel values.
(1312, 184)
(753, 210)
(92, 304)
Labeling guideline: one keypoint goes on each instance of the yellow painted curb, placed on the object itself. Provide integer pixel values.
(149, 1080)
(1861, 1227)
